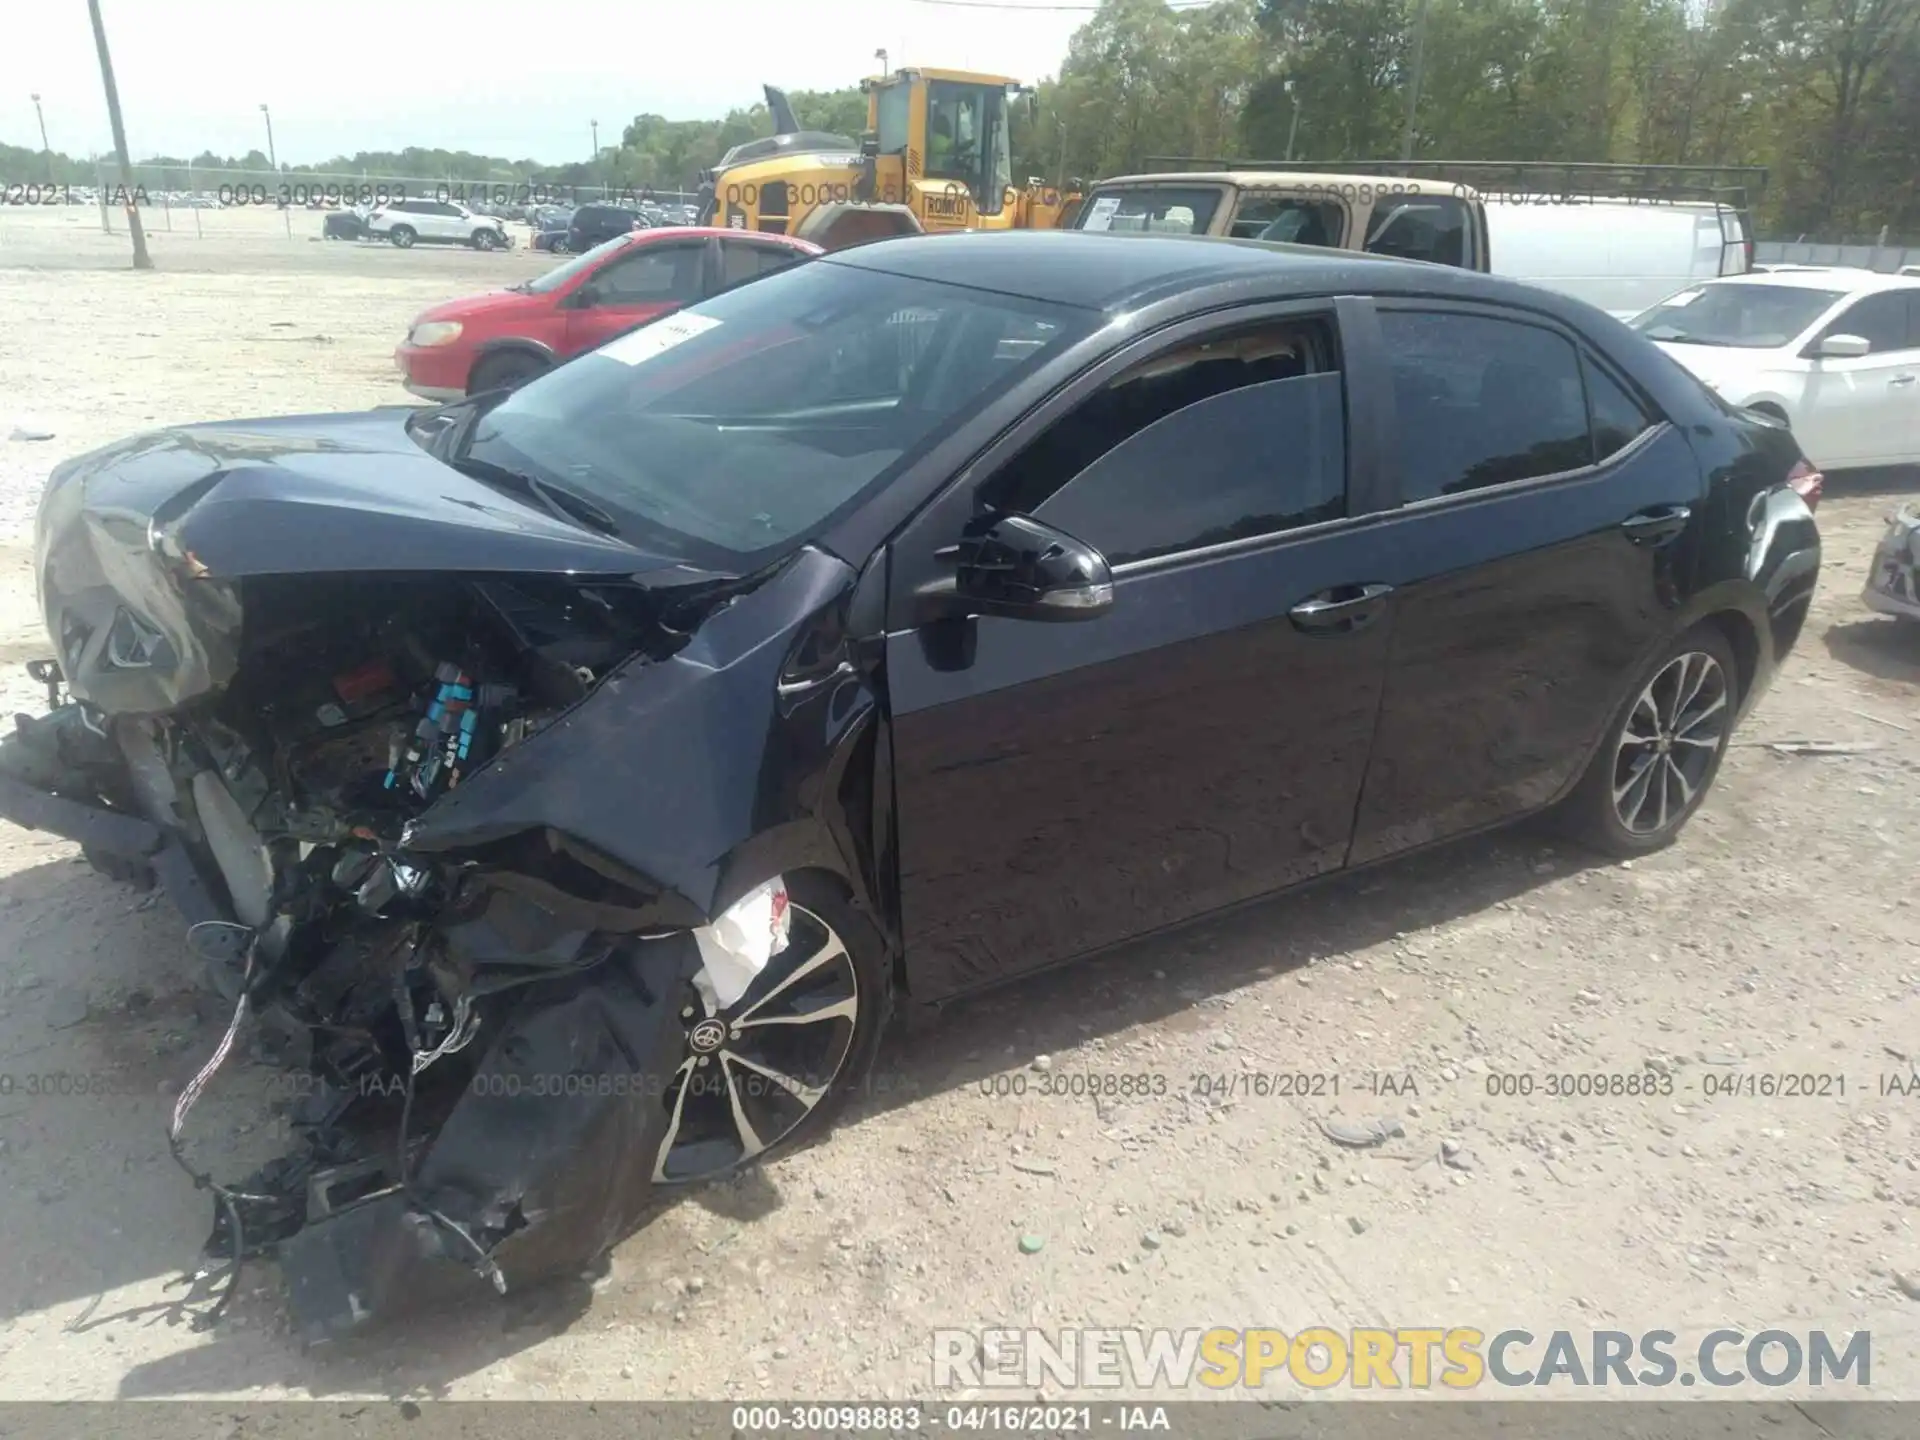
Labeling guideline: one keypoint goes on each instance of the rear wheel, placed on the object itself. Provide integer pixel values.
(773, 1070)
(402, 236)
(1662, 750)
(505, 371)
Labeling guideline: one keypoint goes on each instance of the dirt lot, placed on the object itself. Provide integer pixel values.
(1780, 935)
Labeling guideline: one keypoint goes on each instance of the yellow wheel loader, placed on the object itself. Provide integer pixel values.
(936, 157)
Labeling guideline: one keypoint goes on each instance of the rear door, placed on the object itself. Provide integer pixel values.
(640, 283)
(1545, 528)
(743, 259)
(1063, 787)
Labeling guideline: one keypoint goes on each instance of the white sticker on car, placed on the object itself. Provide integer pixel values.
(637, 347)
(1100, 213)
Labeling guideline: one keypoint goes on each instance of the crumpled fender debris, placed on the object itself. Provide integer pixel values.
(544, 1162)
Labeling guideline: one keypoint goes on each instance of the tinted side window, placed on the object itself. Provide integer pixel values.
(656, 273)
(1881, 319)
(742, 260)
(1289, 220)
(1617, 418)
(1240, 435)
(1482, 402)
(1422, 227)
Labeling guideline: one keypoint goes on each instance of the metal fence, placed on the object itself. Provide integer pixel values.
(1887, 259)
(174, 197)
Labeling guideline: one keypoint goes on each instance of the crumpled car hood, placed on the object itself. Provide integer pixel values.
(136, 543)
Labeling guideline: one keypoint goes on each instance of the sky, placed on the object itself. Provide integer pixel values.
(516, 78)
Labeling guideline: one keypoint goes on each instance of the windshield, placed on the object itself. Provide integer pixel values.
(967, 140)
(730, 431)
(1181, 210)
(585, 260)
(1747, 316)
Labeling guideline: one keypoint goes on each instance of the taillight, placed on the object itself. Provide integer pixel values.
(1807, 482)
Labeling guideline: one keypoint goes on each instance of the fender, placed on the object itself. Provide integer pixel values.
(614, 774)
(516, 342)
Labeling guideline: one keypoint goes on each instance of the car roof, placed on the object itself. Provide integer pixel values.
(1373, 185)
(1121, 272)
(659, 234)
(1849, 281)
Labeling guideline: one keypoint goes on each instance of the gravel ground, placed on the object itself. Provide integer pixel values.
(1780, 934)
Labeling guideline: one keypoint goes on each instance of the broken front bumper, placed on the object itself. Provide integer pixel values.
(1893, 579)
(541, 1148)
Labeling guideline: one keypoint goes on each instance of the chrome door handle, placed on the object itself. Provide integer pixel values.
(1341, 610)
(1902, 380)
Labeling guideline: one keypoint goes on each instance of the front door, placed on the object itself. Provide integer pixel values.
(641, 283)
(1865, 410)
(1062, 787)
(1545, 530)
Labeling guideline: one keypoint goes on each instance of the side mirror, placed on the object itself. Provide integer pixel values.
(1843, 347)
(1022, 569)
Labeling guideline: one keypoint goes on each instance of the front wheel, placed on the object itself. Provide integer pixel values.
(506, 371)
(1661, 751)
(485, 239)
(402, 236)
(773, 1070)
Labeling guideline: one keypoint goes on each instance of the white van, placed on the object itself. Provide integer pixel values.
(1621, 255)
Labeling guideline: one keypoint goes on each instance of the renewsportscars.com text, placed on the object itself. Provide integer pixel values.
(1410, 1358)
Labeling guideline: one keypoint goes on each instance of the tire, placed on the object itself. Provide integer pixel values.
(485, 239)
(703, 1140)
(402, 236)
(507, 370)
(1614, 809)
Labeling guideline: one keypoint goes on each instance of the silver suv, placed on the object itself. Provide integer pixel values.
(405, 222)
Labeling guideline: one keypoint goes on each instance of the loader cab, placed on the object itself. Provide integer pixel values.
(944, 143)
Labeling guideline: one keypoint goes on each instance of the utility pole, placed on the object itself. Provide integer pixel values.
(272, 158)
(46, 150)
(1293, 129)
(596, 157)
(1413, 82)
(141, 260)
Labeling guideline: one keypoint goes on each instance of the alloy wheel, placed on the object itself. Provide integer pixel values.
(754, 1072)
(1668, 746)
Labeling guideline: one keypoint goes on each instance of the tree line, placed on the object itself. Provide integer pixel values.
(1824, 93)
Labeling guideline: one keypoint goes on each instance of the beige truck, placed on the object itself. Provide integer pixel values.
(1411, 219)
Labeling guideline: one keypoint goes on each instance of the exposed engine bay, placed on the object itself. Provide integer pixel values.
(356, 703)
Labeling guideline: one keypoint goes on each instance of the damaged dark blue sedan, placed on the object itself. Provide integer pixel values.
(572, 780)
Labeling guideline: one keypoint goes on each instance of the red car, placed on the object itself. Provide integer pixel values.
(506, 337)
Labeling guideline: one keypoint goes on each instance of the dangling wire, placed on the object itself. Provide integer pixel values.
(230, 1200)
(465, 1026)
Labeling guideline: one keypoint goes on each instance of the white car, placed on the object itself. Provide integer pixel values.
(405, 222)
(1834, 353)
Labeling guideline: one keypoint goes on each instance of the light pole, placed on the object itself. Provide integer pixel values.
(272, 159)
(881, 56)
(141, 260)
(1294, 128)
(1413, 83)
(46, 150)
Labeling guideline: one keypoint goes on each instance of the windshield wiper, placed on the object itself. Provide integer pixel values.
(567, 504)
